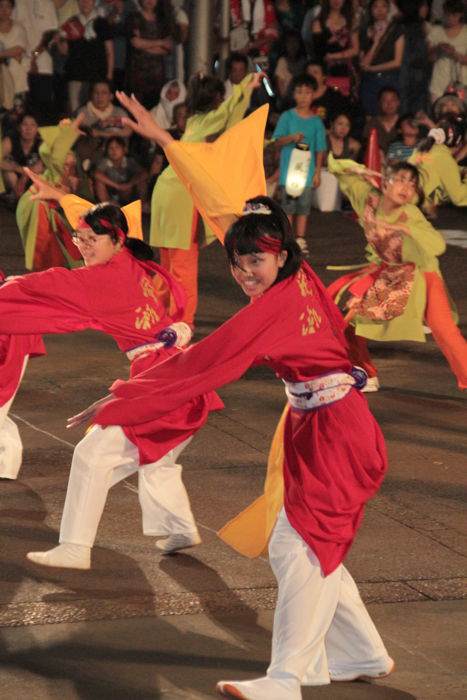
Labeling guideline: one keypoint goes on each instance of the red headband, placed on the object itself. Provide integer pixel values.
(269, 244)
(105, 224)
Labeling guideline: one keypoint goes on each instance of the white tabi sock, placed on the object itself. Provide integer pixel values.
(65, 556)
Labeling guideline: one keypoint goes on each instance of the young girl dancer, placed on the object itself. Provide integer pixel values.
(113, 293)
(400, 288)
(334, 454)
(44, 231)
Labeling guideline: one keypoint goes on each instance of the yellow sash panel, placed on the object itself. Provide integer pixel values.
(222, 175)
(249, 532)
(75, 207)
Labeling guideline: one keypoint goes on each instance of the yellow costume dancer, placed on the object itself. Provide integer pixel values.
(174, 220)
(440, 174)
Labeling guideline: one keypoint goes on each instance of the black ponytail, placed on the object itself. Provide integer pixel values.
(139, 249)
(108, 219)
(203, 91)
(453, 128)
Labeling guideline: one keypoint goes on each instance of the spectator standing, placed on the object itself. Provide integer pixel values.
(415, 70)
(151, 31)
(291, 64)
(13, 50)
(387, 120)
(264, 31)
(39, 19)
(448, 49)
(336, 43)
(90, 52)
(381, 57)
(66, 9)
(300, 125)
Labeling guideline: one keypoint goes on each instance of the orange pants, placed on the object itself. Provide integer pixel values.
(183, 266)
(445, 332)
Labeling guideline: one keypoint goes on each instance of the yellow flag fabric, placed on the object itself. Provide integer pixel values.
(222, 175)
(75, 207)
(249, 532)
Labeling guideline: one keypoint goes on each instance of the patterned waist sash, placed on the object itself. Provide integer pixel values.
(178, 334)
(324, 390)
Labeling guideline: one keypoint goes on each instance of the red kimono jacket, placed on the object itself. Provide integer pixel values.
(119, 299)
(335, 456)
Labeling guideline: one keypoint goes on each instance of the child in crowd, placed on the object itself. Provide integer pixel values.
(118, 177)
(300, 125)
(403, 147)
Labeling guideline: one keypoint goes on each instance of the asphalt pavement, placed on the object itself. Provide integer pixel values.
(143, 626)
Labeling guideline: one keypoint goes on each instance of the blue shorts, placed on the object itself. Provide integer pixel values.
(295, 205)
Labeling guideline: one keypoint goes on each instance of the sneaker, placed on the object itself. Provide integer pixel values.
(363, 675)
(302, 244)
(173, 543)
(372, 384)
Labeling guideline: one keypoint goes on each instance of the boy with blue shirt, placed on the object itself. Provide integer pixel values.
(300, 125)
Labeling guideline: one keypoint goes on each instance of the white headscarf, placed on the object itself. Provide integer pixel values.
(163, 111)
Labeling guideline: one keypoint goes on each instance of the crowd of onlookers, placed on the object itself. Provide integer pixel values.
(390, 65)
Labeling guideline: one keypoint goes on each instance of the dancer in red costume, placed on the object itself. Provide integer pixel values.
(113, 293)
(334, 453)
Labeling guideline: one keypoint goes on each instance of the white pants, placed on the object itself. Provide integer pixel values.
(320, 624)
(102, 459)
(11, 447)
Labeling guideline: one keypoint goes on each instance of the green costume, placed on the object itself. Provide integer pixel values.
(402, 245)
(171, 205)
(440, 176)
(33, 225)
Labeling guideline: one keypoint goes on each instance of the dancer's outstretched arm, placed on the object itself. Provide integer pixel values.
(143, 123)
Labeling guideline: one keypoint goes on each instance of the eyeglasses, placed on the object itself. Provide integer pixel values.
(404, 181)
(88, 241)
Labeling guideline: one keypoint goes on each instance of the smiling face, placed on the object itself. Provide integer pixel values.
(256, 272)
(95, 249)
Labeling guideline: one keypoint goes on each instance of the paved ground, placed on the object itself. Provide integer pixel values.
(143, 626)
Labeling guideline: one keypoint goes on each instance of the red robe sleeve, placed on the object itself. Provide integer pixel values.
(53, 301)
(265, 327)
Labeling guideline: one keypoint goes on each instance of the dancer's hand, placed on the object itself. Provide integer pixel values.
(42, 189)
(256, 80)
(144, 123)
(88, 413)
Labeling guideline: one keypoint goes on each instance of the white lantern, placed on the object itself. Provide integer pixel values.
(297, 172)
